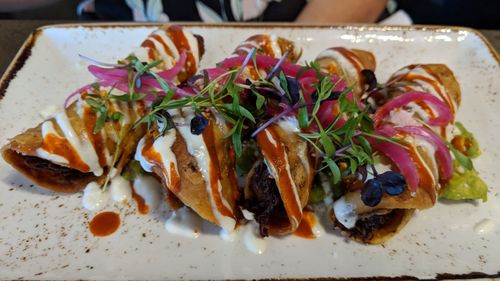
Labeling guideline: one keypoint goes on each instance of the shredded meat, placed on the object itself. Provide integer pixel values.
(266, 199)
(50, 168)
(365, 227)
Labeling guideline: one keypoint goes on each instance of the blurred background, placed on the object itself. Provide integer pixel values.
(481, 14)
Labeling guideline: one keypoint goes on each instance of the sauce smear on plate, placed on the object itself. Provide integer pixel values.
(305, 229)
(142, 207)
(104, 224)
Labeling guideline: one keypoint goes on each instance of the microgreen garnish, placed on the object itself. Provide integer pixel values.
(252, 104)
(100, 105)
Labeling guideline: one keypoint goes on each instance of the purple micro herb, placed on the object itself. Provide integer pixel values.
(244, 64)
(93, 61)
(275, 68)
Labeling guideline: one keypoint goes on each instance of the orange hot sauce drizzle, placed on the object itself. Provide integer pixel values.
(305, 229)
(142, 207)
(181, 43)
(59, 146)
(151, 48)
(426, 180)
(267, 45)
(209, 139)
(277, 158)
(160, 40)
(434, 83)
(352, 58)
(154, 157)
(104, 224)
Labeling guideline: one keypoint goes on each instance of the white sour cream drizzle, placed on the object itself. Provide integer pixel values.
(249, 233)
(197, 148)
(273, 172)
(169, 60)
(345, 212)
(291, 125)
(273, 39)
(48, 128)
(484, 227)
(49, 111)
(94, 198)
(228, 235)
(342, 61)
(193, 45)
(184, 222)
(425, 85)
(252, 239)
(145, 164)
(150, 189)
(317, 228)
(430, 151)
(81, 145)
(120, 189)
(163, 146)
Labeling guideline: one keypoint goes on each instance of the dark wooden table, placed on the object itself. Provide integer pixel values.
(14, 32)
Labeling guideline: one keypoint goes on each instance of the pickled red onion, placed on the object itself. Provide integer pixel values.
(402, 159)
(266, 63)
(442, 153)
(444, 116)
(118, 78)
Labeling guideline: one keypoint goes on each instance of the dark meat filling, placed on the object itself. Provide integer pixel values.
(366, 227)
(51, 169)
(266, 201)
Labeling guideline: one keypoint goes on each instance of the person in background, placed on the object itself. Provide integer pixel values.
(477, 14)
(312, 11)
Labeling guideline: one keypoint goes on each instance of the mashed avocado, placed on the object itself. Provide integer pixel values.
(466, 185)
(465, 142)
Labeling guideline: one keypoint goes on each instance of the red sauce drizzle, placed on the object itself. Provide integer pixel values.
(153, 156)
(151, 48)
(181, 43)
(165, 47)
(59, 146)
(276, 155)
(266, 44)
(142, 207)
(209, 139)
(104, 224)
(426, 179)
(434, 83)
(352, 58)
(305, 229)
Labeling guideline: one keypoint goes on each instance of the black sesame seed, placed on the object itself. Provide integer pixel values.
(371, 194)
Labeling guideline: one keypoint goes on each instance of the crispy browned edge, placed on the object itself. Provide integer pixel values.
(25, 51)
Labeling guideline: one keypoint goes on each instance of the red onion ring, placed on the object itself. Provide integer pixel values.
(443, 117)
(442, 153)
(402, 159)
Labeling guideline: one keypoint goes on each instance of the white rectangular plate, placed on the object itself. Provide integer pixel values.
(44, 235)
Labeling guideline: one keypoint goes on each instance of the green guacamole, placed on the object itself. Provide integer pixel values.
(472, 150)
(466, 185)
